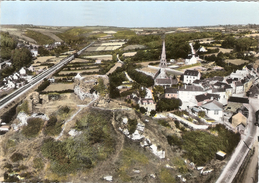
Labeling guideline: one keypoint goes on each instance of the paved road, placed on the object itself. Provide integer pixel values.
(243, 147)
(37, 79)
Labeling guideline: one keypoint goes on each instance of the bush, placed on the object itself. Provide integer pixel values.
(132, 125)
(23, 107)
(38, 164)
(142, 110)
(64, 109)
(33, 127)
(43, 85)
(16, 157)
(163, 123)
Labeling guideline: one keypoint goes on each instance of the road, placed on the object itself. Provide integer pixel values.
(37, 79)
(243, 147)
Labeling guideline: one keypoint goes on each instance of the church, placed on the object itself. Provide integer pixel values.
(161, 78)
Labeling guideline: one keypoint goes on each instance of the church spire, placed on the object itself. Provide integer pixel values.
(163, 62)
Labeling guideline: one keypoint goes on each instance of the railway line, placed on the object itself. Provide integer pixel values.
(37, 79)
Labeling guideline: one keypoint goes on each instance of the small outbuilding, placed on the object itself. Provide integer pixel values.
(221, 155)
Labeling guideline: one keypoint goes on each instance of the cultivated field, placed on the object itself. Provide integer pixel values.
(106, 46)
(19, 33)
(236, 61)
(100, 57)
(133, 47)
(59, 87)
(79, 71)
(79, 60)
(49, 32)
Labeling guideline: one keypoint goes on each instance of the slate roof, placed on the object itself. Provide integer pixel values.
(213, 105)
(239, 83)
(191, 72)
(217, 78)
(254, 91)
(171, 90)
(238, 100)
(191, 88)
(207, 96)
(249, 67)
(166, 81)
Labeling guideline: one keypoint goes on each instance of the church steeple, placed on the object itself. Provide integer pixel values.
(163, 62)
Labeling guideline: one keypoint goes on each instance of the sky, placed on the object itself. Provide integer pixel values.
(129, 14)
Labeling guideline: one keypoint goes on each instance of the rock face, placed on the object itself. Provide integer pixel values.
(144, 136)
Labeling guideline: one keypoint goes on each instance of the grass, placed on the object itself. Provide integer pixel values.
(39, 37)
(188, 66)
(129, 158)
(180, 164)
(166, 176)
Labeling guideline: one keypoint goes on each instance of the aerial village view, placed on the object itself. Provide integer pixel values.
(162, 103)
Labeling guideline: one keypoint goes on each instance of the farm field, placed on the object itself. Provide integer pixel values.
(49, 33)
(236, 61)
(106, 46)
(19, 33)
(133, 47)
(78, 60)
(59, 87)
(100, 57)
(78, 71)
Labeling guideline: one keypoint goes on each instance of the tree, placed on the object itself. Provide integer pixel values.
(142, 110)
(152, 113)
(21, 57)
(157, 92)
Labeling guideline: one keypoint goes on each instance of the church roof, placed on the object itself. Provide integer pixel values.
(164, 81)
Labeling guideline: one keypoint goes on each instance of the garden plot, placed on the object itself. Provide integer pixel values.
(55, 87)
(133, 47)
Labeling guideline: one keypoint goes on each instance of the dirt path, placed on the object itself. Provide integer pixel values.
(113, 68)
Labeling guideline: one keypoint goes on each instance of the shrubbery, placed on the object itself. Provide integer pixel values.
(23, 107)
(132, 125)
(201, 146)
(95, 143)
(43, 85)
(33, 127)
(168, 104)
(16, 157)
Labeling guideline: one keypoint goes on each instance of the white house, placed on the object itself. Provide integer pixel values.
(16, 76)
(187, 95)
(191, 75)
(34, 53)
(22, 71)
(214, 110)
(148, 104)
(10, 84)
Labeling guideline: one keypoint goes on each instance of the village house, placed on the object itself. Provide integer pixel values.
(22, 71)
(205, 98)
(191, 75)
(171, 93)
(214, 110)
(239, 121)
(187, 95)
(148, 104)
